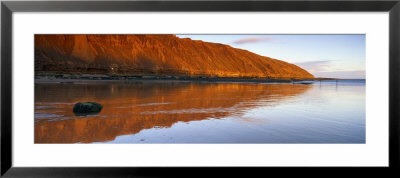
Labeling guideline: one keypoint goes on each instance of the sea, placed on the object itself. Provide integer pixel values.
(196, 112)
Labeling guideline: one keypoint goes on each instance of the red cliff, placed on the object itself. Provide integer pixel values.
(153, 55)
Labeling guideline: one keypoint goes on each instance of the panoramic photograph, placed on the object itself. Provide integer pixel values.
(199, 89)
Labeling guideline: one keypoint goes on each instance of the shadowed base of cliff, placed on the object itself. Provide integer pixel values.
(69, 78)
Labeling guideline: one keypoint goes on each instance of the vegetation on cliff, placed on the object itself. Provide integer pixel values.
(162, 55)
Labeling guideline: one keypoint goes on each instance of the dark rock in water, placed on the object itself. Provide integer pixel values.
(86, 108)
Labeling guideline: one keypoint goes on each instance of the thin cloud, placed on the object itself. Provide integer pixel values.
(254, 40)
(330, 69)
(315, 66)
(353, 74)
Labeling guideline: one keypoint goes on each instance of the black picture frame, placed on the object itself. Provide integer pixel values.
(8, 7)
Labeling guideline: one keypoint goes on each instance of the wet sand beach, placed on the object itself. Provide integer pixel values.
(171, 111)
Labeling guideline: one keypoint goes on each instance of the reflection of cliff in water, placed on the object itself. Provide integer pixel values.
(132, 107)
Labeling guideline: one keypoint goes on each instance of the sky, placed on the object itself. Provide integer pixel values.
(330, 56)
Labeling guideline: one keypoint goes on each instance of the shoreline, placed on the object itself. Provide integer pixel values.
(70, 78)
(76, 79)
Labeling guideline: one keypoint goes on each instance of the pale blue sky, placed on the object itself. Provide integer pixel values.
(338, 56)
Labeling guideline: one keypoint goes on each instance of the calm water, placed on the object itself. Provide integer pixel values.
(189, 112)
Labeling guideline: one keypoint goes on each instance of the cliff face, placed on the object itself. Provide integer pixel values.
(153, 55)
